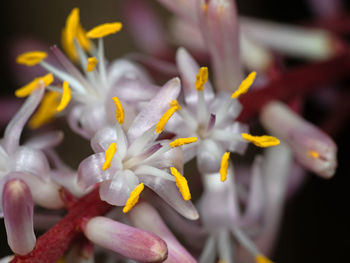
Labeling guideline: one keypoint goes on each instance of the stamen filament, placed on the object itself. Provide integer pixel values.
(174, 106)
(134, 198)
(224, 166)
(66, 97)
(109, 156)
(119, 112)
(181, 141)
(245, 85)
(31, 58)
(181, 183)
(261, 141)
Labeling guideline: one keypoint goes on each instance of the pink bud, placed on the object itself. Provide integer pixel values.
(146, 217)
(312, 147)
(17, 204)
(128, 241)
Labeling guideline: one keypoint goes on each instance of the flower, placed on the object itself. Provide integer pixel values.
(91, 88)
(124, 162)
(210, 117)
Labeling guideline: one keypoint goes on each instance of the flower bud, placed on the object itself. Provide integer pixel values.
(128, 241)
(17, 204)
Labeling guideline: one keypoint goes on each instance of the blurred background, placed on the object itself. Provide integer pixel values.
(316, 224)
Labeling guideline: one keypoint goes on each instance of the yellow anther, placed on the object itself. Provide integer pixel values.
(92, 62)
(61, 260)
(202, 78)
(182, 141)
(82, 39)
(134, 198)
(314, 154)
(109, 156)
(174, 106)
(181, 183)
(262, 259)
(245, 85)
(261, 141)
(104, 30)
(205, 7)
(66, 96)
(70, 32)
(119, 112)
(224, 166)
(31, 58)
(33, 85)
(46, 111)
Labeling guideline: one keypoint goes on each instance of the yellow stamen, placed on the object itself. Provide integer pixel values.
(314, 154)
(243, 88)
(261, 141)
(174, 106)
(33, 85)
(31, 58)
(109, 156)
(46, 111)
(82, 39)
(104, 30)
(224, 166)
(66, 96)
(70, 32)
(181, 183)
(182, 141)
(119, 112)
(205, 7)
(92, 62)
(262, 259)
(134, 198)
(202, 78)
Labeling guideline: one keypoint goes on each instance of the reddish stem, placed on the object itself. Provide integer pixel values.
(294, 83)
(52, 245)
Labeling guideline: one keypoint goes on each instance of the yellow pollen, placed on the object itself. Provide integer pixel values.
(104, 30)
(134, 198)
(245, 85)
(174, 106)
(66, 96)
(202, 78)
(224, 166)
(314, 154)
(33, 85)
(181, 183)
(46, 111)
(182, 141)
(262, 259)
(92, 62)
(119, 112)
(261, 141)
(109, 156)
(31, 58)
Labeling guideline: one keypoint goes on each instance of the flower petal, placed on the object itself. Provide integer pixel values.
(46, 140)
(209, 156)
(116, 191)
(155, 109)
(168, 191)
(90, 170)
(103, 138)
(14, 128)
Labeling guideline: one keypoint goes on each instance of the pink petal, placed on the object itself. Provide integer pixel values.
(46, 140)
(90, 170)
(188, 68)
(30, 161)
(168, 191)
(185, 9)
(103, 138)
(147, 218)
(17, 204)
(116, 191)
(128, 241)
(73, 119)
(303, 137)
(219, 27)
(14, 128)
(154, 110)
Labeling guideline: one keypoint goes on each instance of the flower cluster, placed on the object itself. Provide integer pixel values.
(143, 134)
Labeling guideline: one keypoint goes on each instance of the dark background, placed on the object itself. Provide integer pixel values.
(316, 225)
